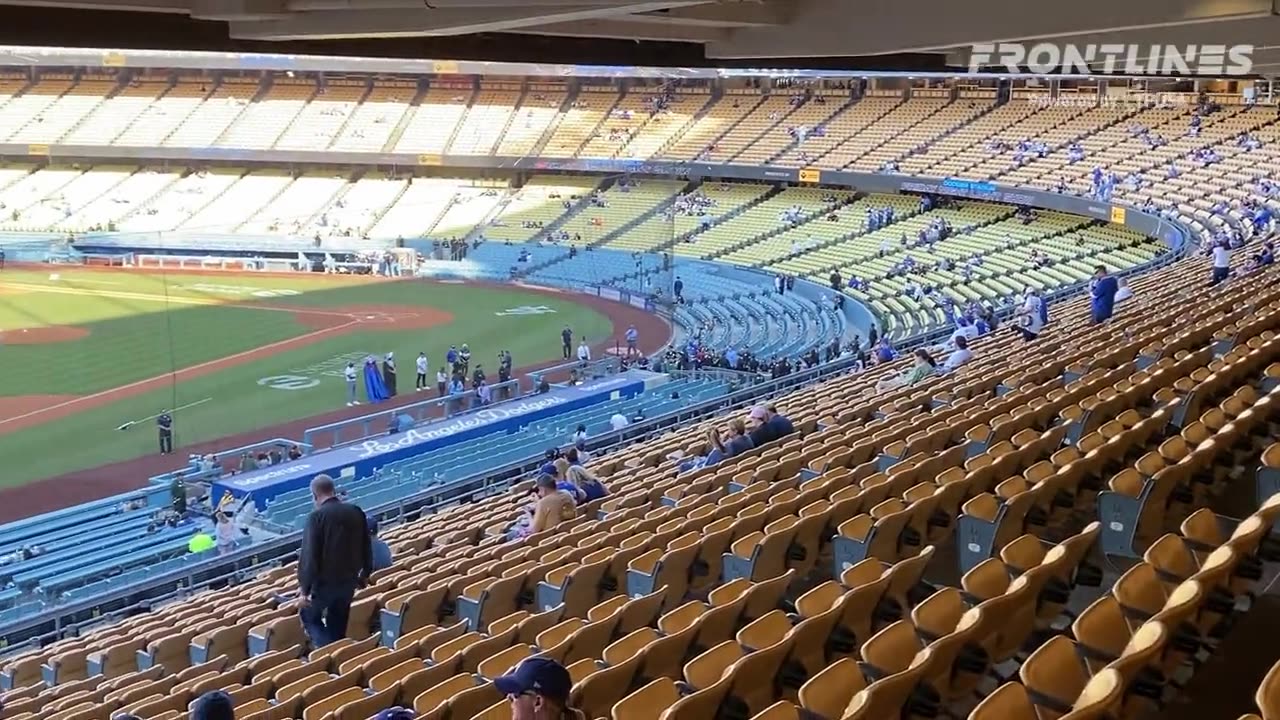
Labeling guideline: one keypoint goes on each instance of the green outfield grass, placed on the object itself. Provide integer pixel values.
(144, 326)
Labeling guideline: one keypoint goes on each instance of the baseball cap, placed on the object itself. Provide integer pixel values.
(395, 713)
(540, 675)
(213, 705)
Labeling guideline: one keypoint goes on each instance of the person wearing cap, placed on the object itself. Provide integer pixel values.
(395, 713)
(381, 552)
(538, 689)
(213, 705)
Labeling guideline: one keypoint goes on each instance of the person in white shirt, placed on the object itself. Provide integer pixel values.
(442, 382)
(584, 352)
(1030, 316)
(618, 421)
(421, 383)
(961, 355)
(1124, 293)
(225, 533)
(1221, 262)
(350, 376)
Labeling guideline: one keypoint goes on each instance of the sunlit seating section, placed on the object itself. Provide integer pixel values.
(318, 124)
(490, 113)
(56, 208)
(820, 229)
(261, 124)
(472, 207)
(911, 127)
(205, 124)
(719, 118)
(668, 226)
(592, 106)
(539, 110)
(178, 201)
(839, 129)
(110, 118)
(132, 193)
(27, 191)
(817, 111)
(661, 129)
(757, 121)
(417, 209)
(938, 159)
(625, 203)
(539, 202)
(370, 127)
(590, 109)
(293, 209)
(760, 220)
(30, 105)
(226, 211)
(159, 119)
(356, 207)
(435, 118)
(852, 255)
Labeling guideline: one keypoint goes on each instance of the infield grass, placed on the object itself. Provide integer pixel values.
(144, 326)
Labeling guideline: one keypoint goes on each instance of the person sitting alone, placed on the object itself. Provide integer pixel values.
(381, 551)
(552, 507)
(961, 355)
(924, 367)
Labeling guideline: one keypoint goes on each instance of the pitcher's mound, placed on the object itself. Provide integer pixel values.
(42, 335)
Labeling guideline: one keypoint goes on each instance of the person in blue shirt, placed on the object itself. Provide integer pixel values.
(381, 553)
(1102, 295)
(884, 351)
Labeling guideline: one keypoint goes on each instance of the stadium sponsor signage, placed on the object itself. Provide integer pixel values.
(361, 459)
(270, 476)
(436, 431)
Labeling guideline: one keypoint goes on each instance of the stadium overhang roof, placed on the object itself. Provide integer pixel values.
(23, 56)
(746, 29)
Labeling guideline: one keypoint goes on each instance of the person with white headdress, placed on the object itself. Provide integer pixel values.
(389, 374)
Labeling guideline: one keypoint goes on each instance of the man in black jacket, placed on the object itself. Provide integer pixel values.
(336, 558)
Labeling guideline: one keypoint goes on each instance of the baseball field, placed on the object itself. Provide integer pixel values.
(85, 351)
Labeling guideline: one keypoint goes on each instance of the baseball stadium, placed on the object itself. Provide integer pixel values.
(667, 361)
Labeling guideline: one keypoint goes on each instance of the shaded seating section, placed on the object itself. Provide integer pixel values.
(815, 574)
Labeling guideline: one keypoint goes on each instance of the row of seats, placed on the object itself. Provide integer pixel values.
(873, 466)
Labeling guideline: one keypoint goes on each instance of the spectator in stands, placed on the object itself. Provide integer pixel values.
(618, 421)
(1030, 319)
(1221, 253)
(960, 355)
(225, 532)
(381, 552)
(1102, 295)
(924, 367)
(579, 436)
(761, 431)
(538, 689)
(739, 442)
(884, 350)
(213, 705)
(336, 558)
(588, 485)
(553, 507)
